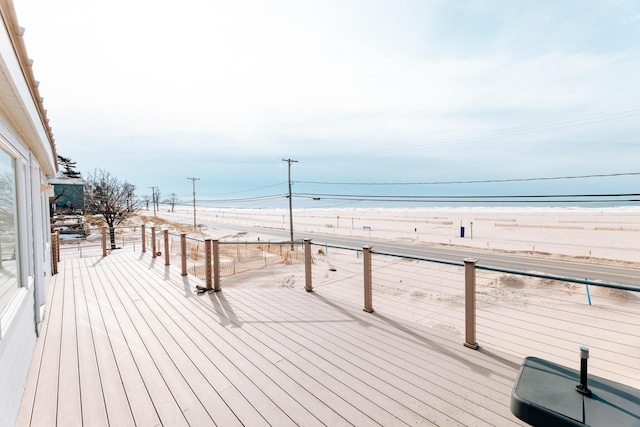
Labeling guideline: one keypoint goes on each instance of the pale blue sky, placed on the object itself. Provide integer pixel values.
(156, 91)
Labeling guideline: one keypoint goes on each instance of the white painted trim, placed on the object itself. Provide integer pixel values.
(12, 145)
(12, 310)
(11, 66)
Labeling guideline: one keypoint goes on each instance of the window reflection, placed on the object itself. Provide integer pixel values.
(9, 282)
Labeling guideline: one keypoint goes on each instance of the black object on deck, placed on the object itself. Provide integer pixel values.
(548, 394)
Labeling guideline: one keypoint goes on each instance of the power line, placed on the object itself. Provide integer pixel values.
(474, 181)
(532, 196)
(486, 199)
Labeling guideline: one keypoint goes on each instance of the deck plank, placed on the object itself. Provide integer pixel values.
(29, 396)
(156, 340)
(417, 384)
(379, 413)
(116, 404)
(45, 402)
(168, 410)
(335, 389)
(70, 405)
(139, 401)
(214, 385)
(241, 354)
(239, 330)
(94, 411)
(381, 393)
(246, 303)
(319, 407)
(266, 357)
(232, 407)
(152, 352)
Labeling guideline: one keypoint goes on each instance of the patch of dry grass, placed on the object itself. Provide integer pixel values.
(97, 221)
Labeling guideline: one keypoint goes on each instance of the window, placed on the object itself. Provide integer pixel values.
(9, 273)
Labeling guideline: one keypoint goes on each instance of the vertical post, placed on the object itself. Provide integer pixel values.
(153, 242)
(289, 161)
(207, 262)
(308, 286)
(470, 302)
(58, 243)
(55, 251)
(193, 180)
(104, 241)
(368, 288)
(582, 387)
(144, 238)
(167, 261)
(216, 265)
(183, 252)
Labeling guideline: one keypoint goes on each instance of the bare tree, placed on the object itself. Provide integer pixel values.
(130, 194)
(105, 195)
(156, 199)
(172, 200)
(146, 200)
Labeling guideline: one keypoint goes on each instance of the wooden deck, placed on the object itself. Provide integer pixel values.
(127, 342)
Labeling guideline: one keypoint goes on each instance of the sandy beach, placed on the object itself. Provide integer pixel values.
(607, 234)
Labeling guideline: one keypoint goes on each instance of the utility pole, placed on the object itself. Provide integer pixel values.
(193, 180)
(153, 199)
(289, 161)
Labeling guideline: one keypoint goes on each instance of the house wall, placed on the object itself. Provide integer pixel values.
(16, 349)
(29, 260)
(27, 160)
(25, 274)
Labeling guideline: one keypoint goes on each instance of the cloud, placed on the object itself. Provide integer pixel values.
(400, 87)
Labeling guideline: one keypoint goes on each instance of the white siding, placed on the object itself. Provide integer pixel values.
(25, 138)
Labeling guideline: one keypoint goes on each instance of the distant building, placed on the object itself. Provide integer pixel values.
(68, 194)
(27, 160)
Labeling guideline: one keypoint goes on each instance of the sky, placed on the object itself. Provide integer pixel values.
(357, 91)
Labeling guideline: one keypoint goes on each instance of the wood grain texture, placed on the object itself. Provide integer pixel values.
(127, 342)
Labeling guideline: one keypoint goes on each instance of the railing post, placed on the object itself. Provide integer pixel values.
(368, 288)
(216, 265)
(144, 238)
(58, 243)
(55, 250)
(470, 302)
(308, 285)
(167, 261)
(153, 242)
(104, 241)
(183, 252)
(207, 262)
